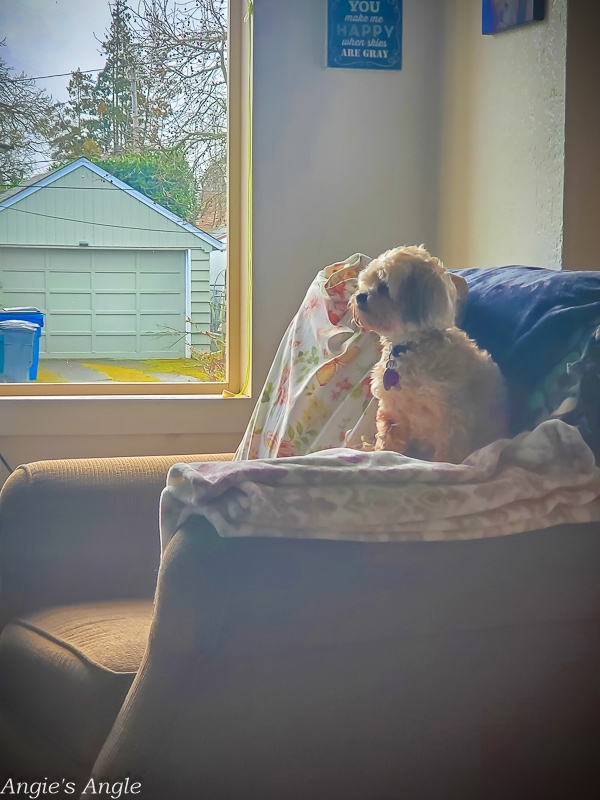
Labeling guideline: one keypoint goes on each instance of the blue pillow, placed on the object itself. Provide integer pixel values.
(530, 320)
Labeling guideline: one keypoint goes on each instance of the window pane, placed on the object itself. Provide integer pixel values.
(113, 226)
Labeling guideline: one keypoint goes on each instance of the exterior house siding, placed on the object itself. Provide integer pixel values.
(200, 286)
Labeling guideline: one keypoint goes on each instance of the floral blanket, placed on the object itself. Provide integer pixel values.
(535, 480)
(318, 391)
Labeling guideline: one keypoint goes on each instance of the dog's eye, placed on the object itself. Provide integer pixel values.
(383, 288)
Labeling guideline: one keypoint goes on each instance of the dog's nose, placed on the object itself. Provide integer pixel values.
(361, 299)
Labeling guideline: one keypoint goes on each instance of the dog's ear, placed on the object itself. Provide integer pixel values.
(462, 290)
(426, 300)
(414, 300)
(461, 286)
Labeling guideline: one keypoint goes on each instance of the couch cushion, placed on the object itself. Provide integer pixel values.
(65, 671)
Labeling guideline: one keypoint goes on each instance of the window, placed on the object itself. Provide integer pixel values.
(135, 247)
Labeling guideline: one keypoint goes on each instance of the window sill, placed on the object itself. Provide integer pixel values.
(123, 415)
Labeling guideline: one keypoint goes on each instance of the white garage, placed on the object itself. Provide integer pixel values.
(115, 274)
(112, 304)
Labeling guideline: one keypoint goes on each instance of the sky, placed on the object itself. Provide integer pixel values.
(45, 37)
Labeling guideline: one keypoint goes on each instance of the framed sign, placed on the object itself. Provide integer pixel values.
(364, 34)
(499, 15)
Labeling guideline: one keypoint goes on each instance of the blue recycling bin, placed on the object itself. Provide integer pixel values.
(17, 338)
(27, 314)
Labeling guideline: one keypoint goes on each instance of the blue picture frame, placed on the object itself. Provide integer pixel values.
(502, 15)
(364, 34)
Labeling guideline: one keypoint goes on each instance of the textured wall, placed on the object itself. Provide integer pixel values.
(503, 146)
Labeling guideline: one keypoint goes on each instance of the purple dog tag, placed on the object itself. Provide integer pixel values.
(390, 378)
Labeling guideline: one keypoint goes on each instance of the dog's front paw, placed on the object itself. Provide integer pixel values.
(367, 446)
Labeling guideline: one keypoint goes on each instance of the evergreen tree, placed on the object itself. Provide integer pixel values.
(77, 130)
(114, 84)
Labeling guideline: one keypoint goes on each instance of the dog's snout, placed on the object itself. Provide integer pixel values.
(361, 299)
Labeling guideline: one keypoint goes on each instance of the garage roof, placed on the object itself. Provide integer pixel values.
(37, 182)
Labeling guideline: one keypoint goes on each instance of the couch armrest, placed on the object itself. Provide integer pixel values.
(81, 530)
(278, 667)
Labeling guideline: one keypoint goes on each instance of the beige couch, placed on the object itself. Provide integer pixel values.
(286, 670)
(79, 556)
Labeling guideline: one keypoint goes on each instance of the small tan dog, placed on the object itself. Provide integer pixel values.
(440, 396)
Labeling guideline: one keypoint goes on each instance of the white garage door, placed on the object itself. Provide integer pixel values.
(101, 303)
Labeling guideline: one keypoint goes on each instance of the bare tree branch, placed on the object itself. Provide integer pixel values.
(25, 119)
(183, 47)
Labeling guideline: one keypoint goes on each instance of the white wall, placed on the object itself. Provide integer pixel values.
(503, 125)
(345, 160)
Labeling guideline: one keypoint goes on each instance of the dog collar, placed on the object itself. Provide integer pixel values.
(391, 376)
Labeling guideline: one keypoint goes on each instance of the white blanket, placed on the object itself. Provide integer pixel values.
(536, 480)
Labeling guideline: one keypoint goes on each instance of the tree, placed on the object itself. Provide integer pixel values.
(184, 49)
(26, 114)
(76, 129)
(113, 86)
(165, 177)
(163, 90)
(124, 109)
